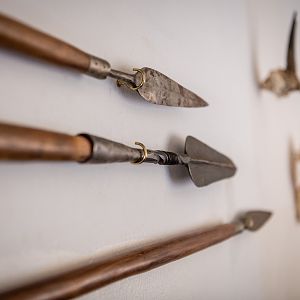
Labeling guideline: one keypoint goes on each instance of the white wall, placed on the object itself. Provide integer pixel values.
(55, 215)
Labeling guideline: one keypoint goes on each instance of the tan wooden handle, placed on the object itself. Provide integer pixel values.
(99, 274)
(21, 143)
(26, 39)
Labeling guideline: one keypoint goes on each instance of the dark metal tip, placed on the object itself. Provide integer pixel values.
(254, 220)
(206, 165)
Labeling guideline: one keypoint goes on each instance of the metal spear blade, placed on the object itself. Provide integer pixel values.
(254, 220)
(205, 164)
(160, 89)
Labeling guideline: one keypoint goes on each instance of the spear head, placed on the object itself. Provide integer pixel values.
(205, 164)
(157, 88)
(254, 220)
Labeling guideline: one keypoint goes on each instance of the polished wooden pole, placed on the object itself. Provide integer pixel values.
(23, 38)
(23, 143)
(86, 279)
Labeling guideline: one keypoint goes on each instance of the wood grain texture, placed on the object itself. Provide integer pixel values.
(20, 37)
(22, 143)
(98, 274)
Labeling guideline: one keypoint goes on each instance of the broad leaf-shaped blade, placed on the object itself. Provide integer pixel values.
(160, 89)
(207, 165)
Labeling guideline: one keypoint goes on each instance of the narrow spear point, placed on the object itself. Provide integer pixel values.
(254, 220)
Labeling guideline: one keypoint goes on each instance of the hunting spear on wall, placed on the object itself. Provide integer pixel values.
(151, 85)
(283, 81)
(205, 165)
(95, 275)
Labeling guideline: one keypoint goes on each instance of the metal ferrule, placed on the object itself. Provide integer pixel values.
(106, 151)
(98, 68)
(239, 227)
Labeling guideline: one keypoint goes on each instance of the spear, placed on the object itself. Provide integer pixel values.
(205, 165)
(98, 274)
(152, 85)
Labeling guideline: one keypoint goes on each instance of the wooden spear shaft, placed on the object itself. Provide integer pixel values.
(88, 278)
(23, 143)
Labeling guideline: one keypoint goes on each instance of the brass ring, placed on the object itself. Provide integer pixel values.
(133, 88)
(144, 154)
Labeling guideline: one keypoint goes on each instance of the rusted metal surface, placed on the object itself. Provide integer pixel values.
(283, 81)
(160, 89)
(150, 84)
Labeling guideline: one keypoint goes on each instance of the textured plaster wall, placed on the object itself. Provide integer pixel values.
(58, 215)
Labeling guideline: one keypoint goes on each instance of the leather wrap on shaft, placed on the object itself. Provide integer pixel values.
(106, 151)
(162, 157)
